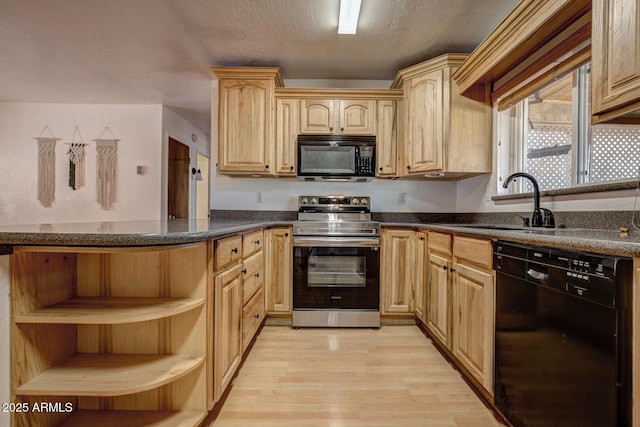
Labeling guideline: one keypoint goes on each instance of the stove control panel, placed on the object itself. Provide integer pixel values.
(338, 201)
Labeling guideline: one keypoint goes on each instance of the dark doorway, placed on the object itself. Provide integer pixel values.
(178, 180)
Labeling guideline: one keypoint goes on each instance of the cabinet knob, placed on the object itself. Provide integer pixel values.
(257, 316)
(331, 129)
(257, 242)
(286, 234)
(266, 166)
(453, 270)
(341, 129)
(380, 167)
(290, 168)
(257, 274)
(234, 250)
(408, 167)
(243, 271)
(445, 268)
(421, 237)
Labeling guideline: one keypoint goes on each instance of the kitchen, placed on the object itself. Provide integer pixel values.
(151, 123)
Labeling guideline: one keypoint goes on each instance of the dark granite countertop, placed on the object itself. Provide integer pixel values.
(583, 239)
(127, 233)
(146, 233)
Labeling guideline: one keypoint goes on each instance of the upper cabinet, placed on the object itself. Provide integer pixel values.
(445, 134)
(615, 51)
(338, 116)
(336, 112)
(246, 140)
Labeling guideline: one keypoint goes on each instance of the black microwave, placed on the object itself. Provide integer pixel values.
(336, 157)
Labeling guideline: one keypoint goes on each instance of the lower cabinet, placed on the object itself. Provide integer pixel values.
(438, 293)
(421, 276)
(397, 271)
(228, 327)
(279, 269)
(473, 308)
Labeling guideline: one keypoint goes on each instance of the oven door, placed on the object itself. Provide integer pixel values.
(336, 276)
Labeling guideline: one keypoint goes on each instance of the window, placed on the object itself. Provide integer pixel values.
(549, 135)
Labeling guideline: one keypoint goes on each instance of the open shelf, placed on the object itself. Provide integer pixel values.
(88, 374)
(109, 311)
(83, 418)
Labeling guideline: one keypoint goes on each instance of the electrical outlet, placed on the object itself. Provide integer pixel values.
(259, 197)
(402, 199)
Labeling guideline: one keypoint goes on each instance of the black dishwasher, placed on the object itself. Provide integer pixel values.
(563, 337)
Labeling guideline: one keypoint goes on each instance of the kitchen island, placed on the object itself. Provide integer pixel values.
(134, 299)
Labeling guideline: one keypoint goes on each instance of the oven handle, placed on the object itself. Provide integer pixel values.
(336, 242)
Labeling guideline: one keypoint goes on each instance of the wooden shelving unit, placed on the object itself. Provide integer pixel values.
(117, 334)
(90, 374)
(110, 311)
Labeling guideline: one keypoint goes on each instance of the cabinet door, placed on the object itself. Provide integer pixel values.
(386, 138)
(357, 117)
(615, 57)
(439, 298)
(279, 268)
(424, 133)
(398, 274)
(473, 321)
(421, 276)
(287, 130)
(245, 129)
(318, 116)
(228, 327)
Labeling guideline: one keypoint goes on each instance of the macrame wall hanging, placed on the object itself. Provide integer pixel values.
(106, 149)
(76, 155)
(46, 167)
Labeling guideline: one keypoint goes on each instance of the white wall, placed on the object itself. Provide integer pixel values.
(137, 196)
(176, 127)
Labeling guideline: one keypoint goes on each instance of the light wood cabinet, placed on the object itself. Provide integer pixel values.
(615, 58)
(387, 125)
(279, 268)
(228, 327)
(109, 330)
(421, 276)
(438, 293)
(445, 134)
(287, 130)
(246, 104)
(473, 308)
(397, 271)
(337, 116)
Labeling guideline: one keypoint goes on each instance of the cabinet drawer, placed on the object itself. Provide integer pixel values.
(252, 317)
(252, 243)
(253, 277)
(440, 242)
(478, 251)
(228, 251)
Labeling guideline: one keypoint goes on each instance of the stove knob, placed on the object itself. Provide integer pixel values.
(304, 201)
(314, 200)
(364, 202)
(355, 202)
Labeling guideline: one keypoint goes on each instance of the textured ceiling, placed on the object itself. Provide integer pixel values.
(160, 51)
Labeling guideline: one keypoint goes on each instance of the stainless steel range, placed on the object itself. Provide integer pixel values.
(336, 263)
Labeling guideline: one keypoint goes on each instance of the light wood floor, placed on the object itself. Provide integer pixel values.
(349, 377)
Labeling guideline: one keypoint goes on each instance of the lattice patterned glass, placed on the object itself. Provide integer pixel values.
(614, 153)
(549, 155)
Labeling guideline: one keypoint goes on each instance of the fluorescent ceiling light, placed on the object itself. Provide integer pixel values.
(349, 12)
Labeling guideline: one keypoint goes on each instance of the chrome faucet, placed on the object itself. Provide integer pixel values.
(541, 217)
